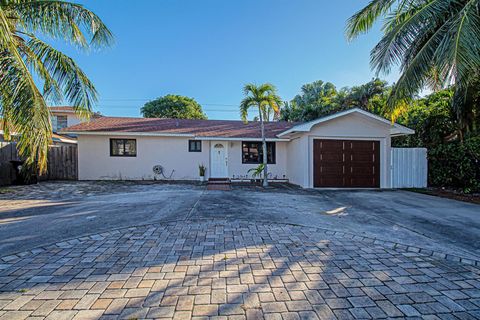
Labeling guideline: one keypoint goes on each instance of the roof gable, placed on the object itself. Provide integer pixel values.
(395, 128)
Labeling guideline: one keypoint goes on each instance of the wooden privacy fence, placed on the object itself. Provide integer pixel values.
(409, 167)
(8, 152)
(62, 163)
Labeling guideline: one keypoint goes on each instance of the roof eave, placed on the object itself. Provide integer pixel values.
(398, 130)
(238, 139)
(121, 133)
(161, 134)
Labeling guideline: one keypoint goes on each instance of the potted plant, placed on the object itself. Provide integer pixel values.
(201, 171)
(256, 172)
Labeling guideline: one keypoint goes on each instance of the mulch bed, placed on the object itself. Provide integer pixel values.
(450, 194)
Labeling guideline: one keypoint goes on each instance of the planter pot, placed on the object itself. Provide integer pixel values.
(202, 179)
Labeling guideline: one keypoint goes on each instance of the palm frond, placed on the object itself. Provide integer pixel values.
(74, 83)
(22, 105)
(362, 21)
(418, 64)
(51, 89)
(62, 20)
(458, 53)
(17, 91)
(245, 105)
(263, 97)
(394, 44)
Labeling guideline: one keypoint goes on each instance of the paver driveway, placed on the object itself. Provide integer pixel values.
(37, 215)
(233, 269)
(126, 250)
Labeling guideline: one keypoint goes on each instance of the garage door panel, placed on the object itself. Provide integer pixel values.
(362, 157)
(332, 144)
(361, 144)
(332, 182)
(329, 170)
(333, 157)
(359, 171)
(346, 163)
(361, 183)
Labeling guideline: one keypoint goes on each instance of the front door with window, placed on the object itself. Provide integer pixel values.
(219, 159)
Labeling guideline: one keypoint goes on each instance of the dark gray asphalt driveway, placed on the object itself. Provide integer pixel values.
(34, 216)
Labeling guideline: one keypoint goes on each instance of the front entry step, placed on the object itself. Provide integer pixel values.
(219, 184)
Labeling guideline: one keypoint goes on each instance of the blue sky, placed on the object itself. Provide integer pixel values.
(208, 49)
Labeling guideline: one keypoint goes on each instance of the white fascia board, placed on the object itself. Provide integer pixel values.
(65, 140)
(238, 139)
(306, 127)
(119, 133)
(62, 111)
(153, 134)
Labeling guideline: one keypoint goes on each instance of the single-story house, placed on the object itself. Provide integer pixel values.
(345, 149)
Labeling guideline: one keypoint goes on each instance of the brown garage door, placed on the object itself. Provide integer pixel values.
(346, 163)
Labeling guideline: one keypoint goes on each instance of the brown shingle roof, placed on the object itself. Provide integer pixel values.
(200, 128)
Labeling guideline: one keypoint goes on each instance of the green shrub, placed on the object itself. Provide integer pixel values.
(456, 165)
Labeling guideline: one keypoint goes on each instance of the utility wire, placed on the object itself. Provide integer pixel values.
(203, 104)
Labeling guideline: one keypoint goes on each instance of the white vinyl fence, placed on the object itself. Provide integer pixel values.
(409, 168)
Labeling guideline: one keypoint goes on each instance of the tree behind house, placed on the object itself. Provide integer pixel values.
(173, 106)
(320, 98)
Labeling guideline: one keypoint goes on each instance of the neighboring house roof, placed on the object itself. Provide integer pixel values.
(180, 127)
(58, 138)
(395, 130)
(66, 109)
(226, 129)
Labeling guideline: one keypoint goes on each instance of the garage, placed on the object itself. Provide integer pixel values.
(346, 163)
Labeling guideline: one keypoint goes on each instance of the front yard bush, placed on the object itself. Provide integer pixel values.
(456, 165)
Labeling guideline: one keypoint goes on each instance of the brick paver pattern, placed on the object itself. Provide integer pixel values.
(230, 269)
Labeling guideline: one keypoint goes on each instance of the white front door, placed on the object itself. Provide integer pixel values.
(219, 159)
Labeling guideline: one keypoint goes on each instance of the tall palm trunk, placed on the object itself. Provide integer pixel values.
(264, 148)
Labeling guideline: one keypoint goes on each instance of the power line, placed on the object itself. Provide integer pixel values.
(203, 104)
(131, 107)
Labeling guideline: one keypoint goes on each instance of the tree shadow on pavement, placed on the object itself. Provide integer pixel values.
(207, 268)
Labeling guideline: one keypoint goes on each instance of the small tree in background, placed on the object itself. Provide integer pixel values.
(265, 98)
(173, 106)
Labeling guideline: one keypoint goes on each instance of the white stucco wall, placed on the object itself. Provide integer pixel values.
(95, 162)
(236, 168)
(297, 161)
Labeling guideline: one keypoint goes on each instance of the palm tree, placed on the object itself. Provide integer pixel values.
(360, 96)
(264, 97)
(24, 57)
(424, 37)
